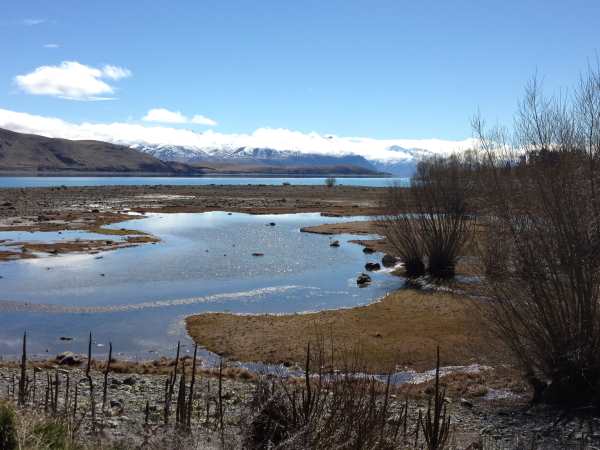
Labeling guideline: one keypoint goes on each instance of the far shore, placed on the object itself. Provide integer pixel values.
(214, 174)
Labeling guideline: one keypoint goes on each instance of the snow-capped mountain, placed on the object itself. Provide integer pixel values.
(277, 147)
(403, 165)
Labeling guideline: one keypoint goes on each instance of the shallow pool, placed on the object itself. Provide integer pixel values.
(138, 297)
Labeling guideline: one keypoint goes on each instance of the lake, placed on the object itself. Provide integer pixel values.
(138, 297)
(21, 182)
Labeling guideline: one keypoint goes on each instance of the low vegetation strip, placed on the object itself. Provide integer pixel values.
(403, 329)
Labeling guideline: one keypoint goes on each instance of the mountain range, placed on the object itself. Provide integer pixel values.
(263, 151)
(280, 161)
(30, 153)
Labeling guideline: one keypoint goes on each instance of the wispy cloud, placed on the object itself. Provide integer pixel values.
(115, 72)
(51, 45)
(72, 80)
(275, 138)
(163, 115)
(32, 22)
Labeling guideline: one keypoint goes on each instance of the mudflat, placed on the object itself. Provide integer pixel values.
(254, 199)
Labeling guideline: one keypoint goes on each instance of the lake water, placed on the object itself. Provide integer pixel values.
(138, 297)
(20, 182)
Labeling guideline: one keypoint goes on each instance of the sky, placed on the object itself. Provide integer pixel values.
(373, 69)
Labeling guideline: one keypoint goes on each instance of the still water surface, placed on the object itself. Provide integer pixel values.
(21, 182)
(137, 297)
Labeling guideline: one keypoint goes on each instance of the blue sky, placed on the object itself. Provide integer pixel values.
(377, 69)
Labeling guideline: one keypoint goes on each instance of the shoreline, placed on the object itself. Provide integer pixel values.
(90, 208)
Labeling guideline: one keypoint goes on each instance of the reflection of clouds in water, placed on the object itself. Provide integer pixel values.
(64, 260)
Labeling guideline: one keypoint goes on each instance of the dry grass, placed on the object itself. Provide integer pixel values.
(116, 232)
(403, 329)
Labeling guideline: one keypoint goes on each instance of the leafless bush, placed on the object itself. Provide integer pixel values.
(540, 183)
(436, 423)
(402, 232)
(329, 410)
(430, 218)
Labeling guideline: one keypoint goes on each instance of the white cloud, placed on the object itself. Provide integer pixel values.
(115, 72)
(275, 138)
(33, 22)
(71, 80)
(203, 120)
(51, 45)
(163, 115)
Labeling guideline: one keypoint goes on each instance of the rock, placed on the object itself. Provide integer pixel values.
(372, 266)
(130, 381)
(363, 279)
(258, 254)
(68, 359)
(116, 404)
(271, 224)
(466, 403)
(368, 250)
(389, 260)
(116, 382)
(65, 338)
(334, 244)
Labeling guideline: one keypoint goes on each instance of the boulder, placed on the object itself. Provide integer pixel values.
(466, 403)
(258, 254)
(334, 244)
(68, 359)
(370, 266)
(130, 381)
(363, 279)
(368, 250)
(389, 260)
(116, 404)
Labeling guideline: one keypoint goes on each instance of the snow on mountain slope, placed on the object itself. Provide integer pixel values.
(264, 144)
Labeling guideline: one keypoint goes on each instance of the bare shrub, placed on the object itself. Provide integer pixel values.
(540, 183)
(329, 410)
(402, 232)
(330, 181)
(430, 218)
(436, 423)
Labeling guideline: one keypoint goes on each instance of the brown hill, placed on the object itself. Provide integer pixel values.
(29, 153)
